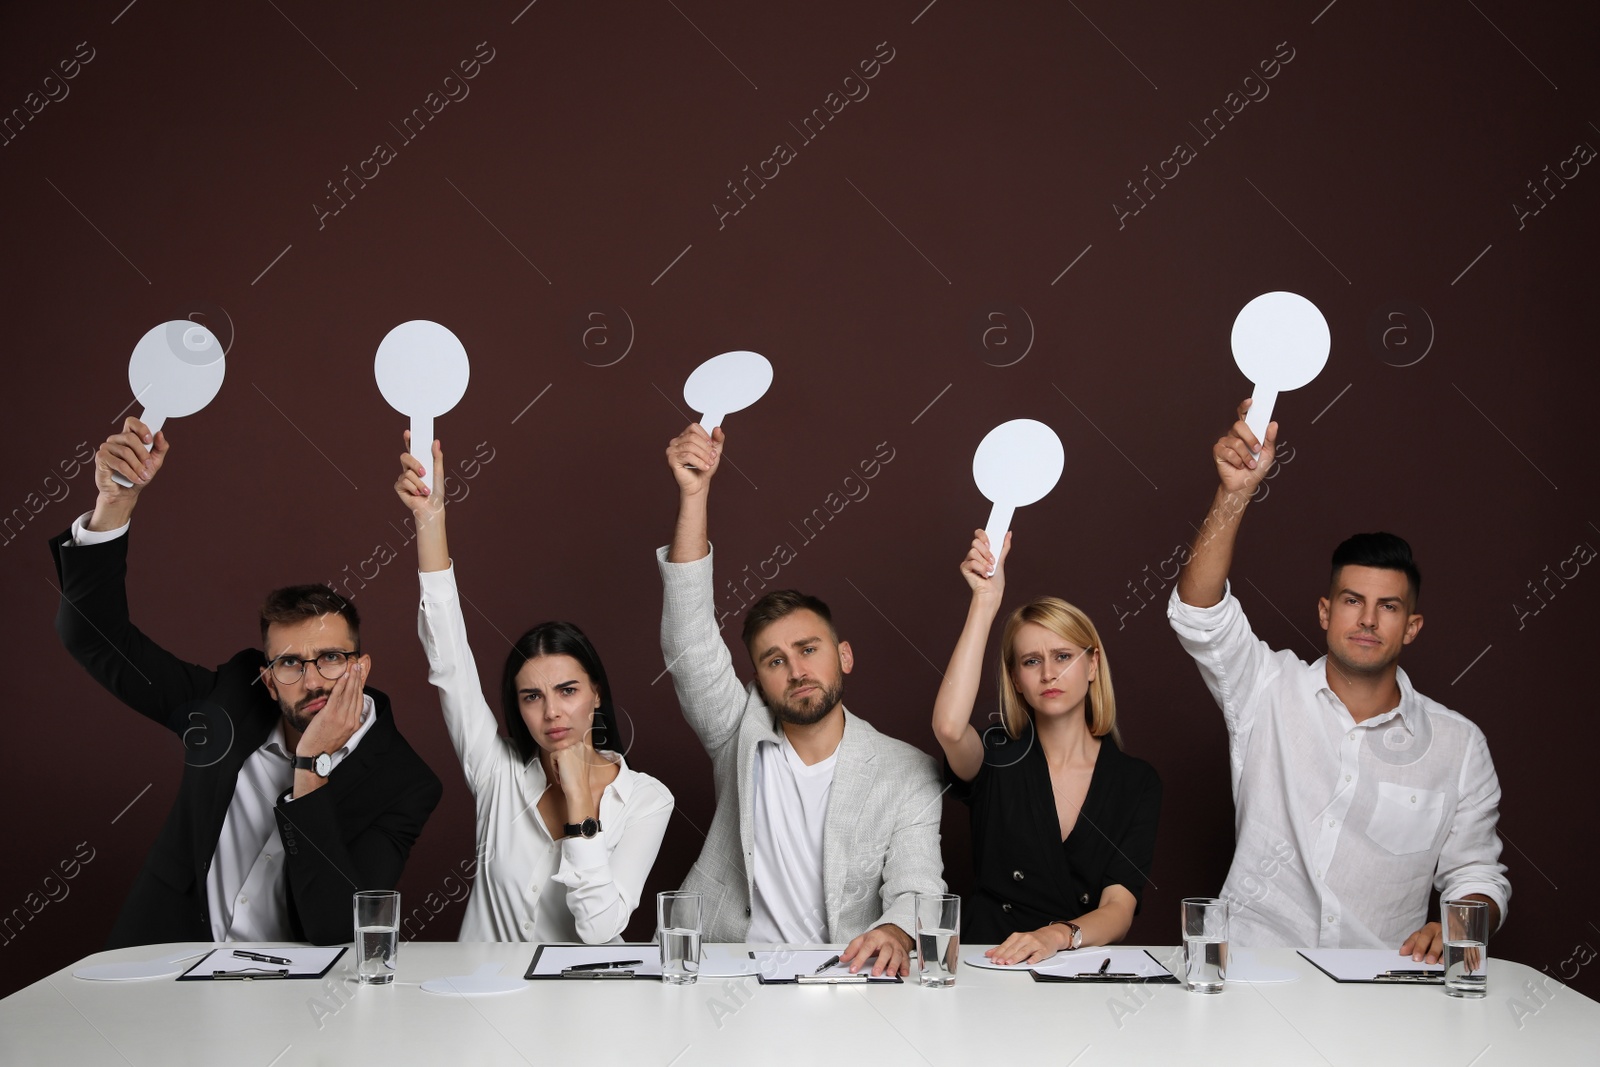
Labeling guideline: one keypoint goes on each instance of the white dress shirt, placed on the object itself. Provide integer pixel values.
(531, 886)
(1341, 827)
(790, 808)
(246, 891)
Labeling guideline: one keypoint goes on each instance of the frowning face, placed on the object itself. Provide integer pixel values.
(1051, 672)
(557, 699)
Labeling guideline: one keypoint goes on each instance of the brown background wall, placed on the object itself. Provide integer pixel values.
(907, 275)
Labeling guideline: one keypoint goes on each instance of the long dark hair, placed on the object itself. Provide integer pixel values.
(556, 639)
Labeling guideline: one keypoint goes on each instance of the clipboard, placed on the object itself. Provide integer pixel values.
(305, 961)
(1126, 965)
(567, 960)
(1372, 967)
(798, 967)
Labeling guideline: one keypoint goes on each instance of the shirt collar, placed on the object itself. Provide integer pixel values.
(1409, 711)
(622, 783)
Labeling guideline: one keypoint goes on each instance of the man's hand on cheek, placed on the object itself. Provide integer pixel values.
(339, 718)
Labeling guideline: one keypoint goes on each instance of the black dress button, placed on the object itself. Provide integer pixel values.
(1083, 898)
(1016, 876)
(747, 910)
(1005, 907)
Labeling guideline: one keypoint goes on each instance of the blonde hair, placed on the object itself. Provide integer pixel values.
(1070, 623)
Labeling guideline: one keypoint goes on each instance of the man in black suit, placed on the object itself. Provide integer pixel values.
(297, 788)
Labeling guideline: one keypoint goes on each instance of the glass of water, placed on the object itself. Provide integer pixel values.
(1205, 944)
(1466, 947)
(938, 921)
(678, 929)
(377, 914)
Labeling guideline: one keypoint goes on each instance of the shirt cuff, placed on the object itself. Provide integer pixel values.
(581, 854)
(82, 535)
(668, 566)
(1202, 618)
(439, 586)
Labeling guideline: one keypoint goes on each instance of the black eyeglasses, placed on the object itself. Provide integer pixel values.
(288, 670)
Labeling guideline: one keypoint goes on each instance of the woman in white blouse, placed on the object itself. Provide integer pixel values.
(567, 833)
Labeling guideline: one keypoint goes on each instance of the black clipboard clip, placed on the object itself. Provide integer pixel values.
(830, 979)
(585, 972)
(250, 974)
(1419, 977)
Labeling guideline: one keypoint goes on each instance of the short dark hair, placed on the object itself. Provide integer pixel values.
(297, 603)
(778, 603)
(555, 639)
(1384, 551)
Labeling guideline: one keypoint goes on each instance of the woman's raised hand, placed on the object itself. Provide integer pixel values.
(975, 568)
(409, 487)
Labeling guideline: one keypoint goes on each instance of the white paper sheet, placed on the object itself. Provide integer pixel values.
(1088, 960)
(553, 959)
(726, 961)
(1365, 964)
(781, 965)
(1243, 966)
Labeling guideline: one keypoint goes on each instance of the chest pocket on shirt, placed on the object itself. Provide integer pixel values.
(1406, 818)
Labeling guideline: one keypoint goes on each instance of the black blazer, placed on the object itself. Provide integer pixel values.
(353, 833)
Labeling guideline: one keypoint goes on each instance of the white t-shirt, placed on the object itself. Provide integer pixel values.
(791, 804)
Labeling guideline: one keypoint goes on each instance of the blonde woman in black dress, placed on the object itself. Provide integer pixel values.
(1063, 822)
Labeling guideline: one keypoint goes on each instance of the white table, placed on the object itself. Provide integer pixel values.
(989, 1016)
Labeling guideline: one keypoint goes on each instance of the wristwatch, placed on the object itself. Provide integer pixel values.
(1077, 933)
(586, 828)
(320, 764)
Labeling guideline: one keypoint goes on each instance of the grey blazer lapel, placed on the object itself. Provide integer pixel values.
(848, 798)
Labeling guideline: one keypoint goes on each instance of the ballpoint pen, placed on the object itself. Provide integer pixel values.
(1105, 966)
(261, 957)
(604, 966)
(829, 962)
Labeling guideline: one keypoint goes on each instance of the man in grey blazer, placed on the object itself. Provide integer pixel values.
(824, 828)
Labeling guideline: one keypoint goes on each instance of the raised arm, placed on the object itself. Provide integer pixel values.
(952, 709)
(693, 457)
(1240, 470)
(91, 565)
(702, 670)
(474, 730)
(427, 506)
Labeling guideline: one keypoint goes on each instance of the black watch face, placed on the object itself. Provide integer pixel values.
(591, 827)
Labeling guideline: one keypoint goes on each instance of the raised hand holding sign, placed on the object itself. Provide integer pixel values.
(175, 370)
(1016, 464)
(1280, 342)
(422, 372)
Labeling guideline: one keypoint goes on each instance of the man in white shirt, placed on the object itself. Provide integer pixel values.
(1353, 793)
(297, 791)
(825, 829)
